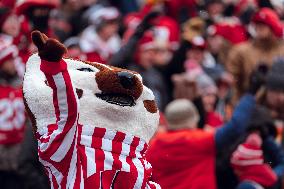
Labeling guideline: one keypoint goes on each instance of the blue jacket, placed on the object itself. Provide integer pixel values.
(230, 132)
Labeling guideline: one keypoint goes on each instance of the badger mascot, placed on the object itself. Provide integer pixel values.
(92, 121)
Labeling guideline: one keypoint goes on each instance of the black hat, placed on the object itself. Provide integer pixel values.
(275, 77)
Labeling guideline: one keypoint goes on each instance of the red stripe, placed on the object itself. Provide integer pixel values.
(133, 171)
(78, 178)
(117, 164)
(133, 146)
(143, 152)
(97, 144)
(53, 68)
(82, 152)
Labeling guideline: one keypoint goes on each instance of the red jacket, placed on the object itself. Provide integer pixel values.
(214, 119)
(12, 115)
(183, 159)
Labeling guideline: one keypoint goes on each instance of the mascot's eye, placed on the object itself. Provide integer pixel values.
(85, 69)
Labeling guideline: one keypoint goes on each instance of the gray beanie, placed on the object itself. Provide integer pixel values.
(181, 114)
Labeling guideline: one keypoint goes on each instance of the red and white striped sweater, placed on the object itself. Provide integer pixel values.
(84, 156)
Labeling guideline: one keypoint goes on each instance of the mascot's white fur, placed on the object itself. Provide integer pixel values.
(107, 97)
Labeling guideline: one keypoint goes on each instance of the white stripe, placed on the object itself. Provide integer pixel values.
(86, 140)
(62, 99)
(147, 164)
(107, 147)
(247, 162)
(107, 140)
(125, 152)
(86, 137)
(71, 177)
(128, 139)
(108, 162)
(12, 49)
(82, 179)
(244, 150)
(157, 186)
(139, 148)
(50, 177)
(140, 170)
(91, 163)
(125, 166)
(239, 154)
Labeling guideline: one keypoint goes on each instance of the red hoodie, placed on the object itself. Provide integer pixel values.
(183, 159)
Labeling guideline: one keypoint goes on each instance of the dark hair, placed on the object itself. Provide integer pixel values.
(262, 122)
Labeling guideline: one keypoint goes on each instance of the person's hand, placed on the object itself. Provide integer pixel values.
(258, 79)
(48, 49)
(146, 23)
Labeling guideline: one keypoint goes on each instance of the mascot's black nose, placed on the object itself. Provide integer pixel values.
(126, 79)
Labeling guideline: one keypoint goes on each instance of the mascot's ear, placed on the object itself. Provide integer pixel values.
(39, 39)
(48, 49)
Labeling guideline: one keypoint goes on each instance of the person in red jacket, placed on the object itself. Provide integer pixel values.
(184, 157)
(12, 111)
(12, 116)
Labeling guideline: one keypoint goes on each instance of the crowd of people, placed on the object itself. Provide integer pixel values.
(216, 68)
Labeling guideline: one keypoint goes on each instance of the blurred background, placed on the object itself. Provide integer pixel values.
(201, 51)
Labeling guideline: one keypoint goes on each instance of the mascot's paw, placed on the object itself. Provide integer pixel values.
(48, 49)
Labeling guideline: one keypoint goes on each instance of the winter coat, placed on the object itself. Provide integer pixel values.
(244, 58)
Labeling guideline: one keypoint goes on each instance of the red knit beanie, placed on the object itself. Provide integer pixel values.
(248, 153)
(235, 33)
(248, 163)
(269, 17)
(23, 5)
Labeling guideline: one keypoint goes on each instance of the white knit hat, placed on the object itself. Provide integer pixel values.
(103, 14)
(7, 49)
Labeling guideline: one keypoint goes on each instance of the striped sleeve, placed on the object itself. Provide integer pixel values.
(60, 137)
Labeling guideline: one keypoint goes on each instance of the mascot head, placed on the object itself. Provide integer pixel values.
(109, 97)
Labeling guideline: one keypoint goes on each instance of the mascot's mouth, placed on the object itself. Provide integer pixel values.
(117, 99)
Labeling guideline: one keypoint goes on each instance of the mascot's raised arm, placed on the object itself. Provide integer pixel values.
(92, 121)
